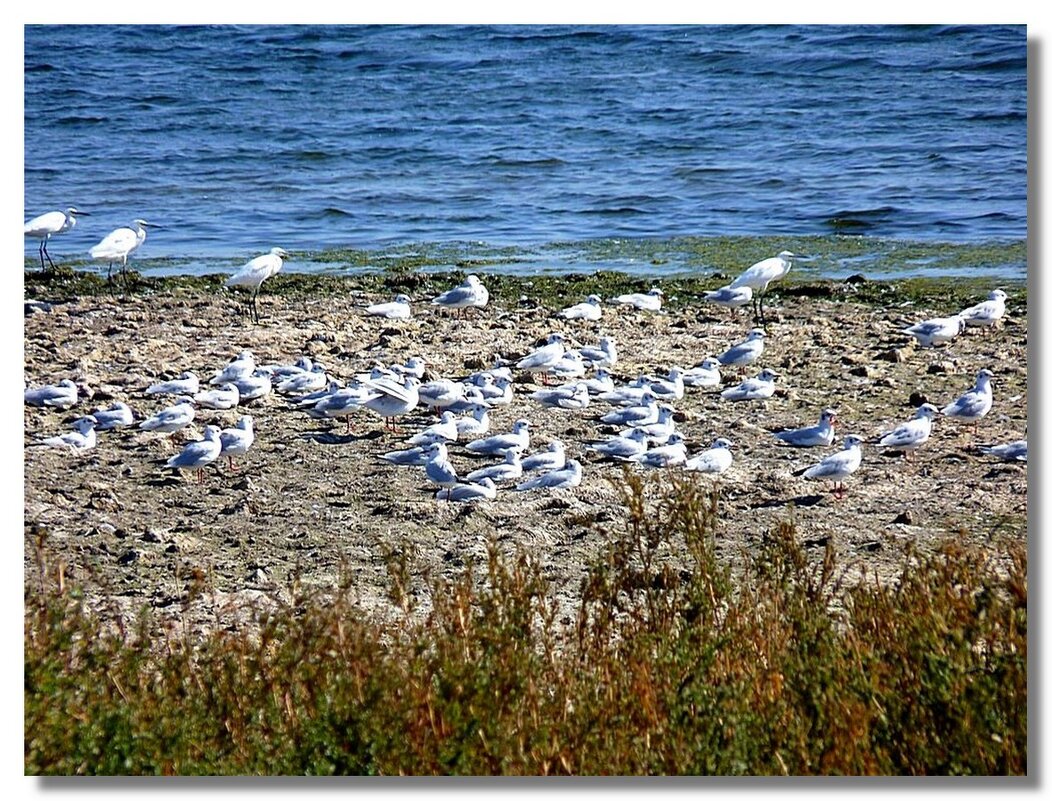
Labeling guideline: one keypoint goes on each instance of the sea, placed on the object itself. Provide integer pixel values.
(560, 148)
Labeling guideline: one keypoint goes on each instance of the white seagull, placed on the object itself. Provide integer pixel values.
(244, 365)
(48, 225)
(732, 297)
(120, 244)
(438, 469)
(937, 331)
(564, 478)
(174, 418)
(604, 355)
(913, 433)
(391, 400)
(671, 453)
(397, 309)
(252, 387)
(987, 313)
(469, 294)
(838, 466)
(225, 396)
(571, 396)
(444, 430)
(255, 272)
(62, 395)
(118, 415)
(237, 440)
(589, 309)
(706, 374)
(819, 435)
(760, 387)
(973, 405)
(544, 357)
(644, 301)
(466, 493)
(553, 458)
(196, 455)
(745, 352)
(508, 470)
(1009, 452)
(499, 443)
(81, 438)
(186, 384)
(622, 446)
(715, 460)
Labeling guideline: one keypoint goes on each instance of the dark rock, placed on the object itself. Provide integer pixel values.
(905, 517)
(917, 399)
(857, 278)
(128, 557)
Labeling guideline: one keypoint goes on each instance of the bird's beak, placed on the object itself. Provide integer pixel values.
(81, 214)
(152, 225)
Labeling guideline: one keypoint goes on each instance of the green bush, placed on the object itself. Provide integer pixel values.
(673, 665)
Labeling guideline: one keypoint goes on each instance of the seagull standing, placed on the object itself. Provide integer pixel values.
(937, 331)
(745, 352)
(255, 272)
(544, 357)
(196, 455)
(910, 435)
(973, 405)
(761, 275)
(469, 294)
(237, 440)
(838, 466)
(119, 245)
(989, 312)
(48, 225)
(732, 297)
(391, 399)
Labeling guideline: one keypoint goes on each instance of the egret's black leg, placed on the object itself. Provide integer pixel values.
(42, 241)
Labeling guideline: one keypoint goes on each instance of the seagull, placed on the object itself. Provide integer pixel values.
(715, 460)
(760, 387)
(413, 457)
(172, 419)
(543, 357)
(638, 393)
(341, 403)
(186, 384)
(670, 387)
(474, 425)
(570, 366)
(838, 466)
(645, 413)
(414, 366)
(47, 225)
(438, 469)
(62, 395)
(605, 355)
(255, 272)
(761, 275)
(672, 453)
(237, 440)
(660, 431)
(309, 381)
(564, 478)
(81, 438)
(120, 244)
(310, 401)
(622, 446)
(225, 396)
(397, 309)
(301, 365)
(937, 331)
(601, 382)
(391, 399)
(913, 433)
(987, 313)
(497, 391)
(554, 458)
(484, 490)
(811, 436)
(706, 374)
(973, 405)
(573, 396)
(198, 453)
(508, 470)
(1009, 452)
(444, 430)
(644, 301)
(745, 352)
(499, 443)
(441, 393)
(730, 296)
(468, 294)
(589, 309)
(251, 387)
(118, 415)
(244, 365)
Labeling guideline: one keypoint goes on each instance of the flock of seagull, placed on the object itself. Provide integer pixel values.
(643, 409)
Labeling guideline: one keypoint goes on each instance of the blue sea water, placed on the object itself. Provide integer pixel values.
(238, 138)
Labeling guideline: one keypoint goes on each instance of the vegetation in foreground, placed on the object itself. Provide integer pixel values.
(662, 669)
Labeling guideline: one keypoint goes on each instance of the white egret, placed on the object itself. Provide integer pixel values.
(255, 273)
(47, 225)
(760, 275)
(120, 244)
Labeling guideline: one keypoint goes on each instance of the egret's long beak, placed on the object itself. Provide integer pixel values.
(82, 214)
